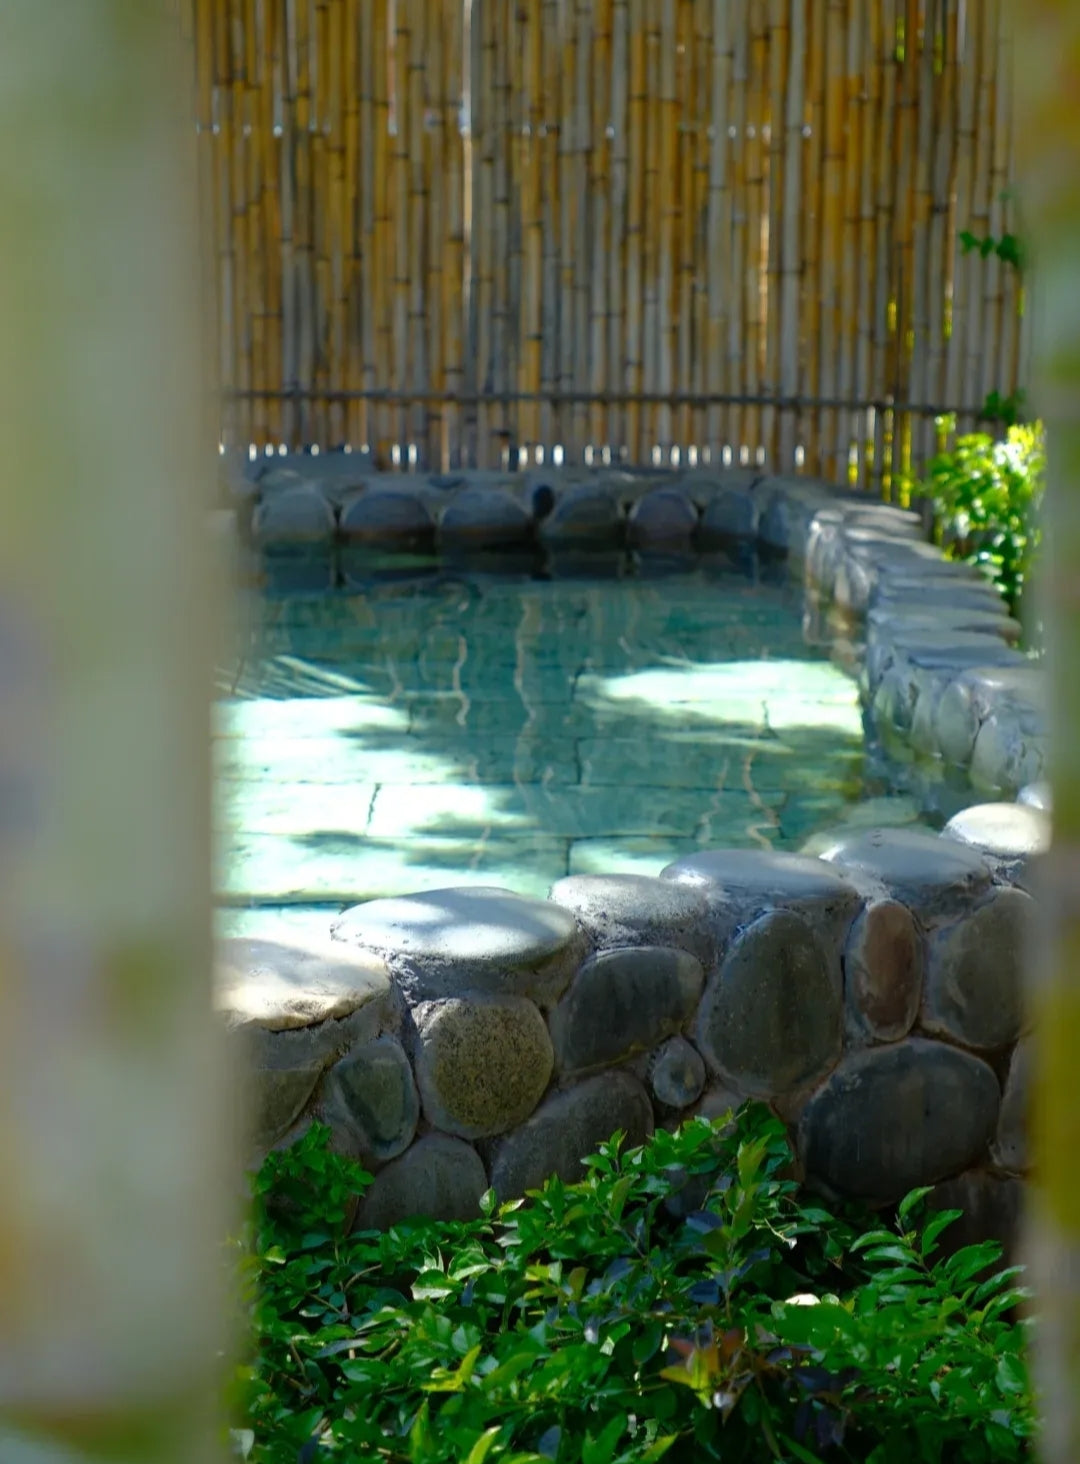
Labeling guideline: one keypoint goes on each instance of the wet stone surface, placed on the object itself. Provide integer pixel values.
(934, 877)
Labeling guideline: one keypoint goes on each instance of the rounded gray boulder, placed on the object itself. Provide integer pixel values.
(485, 518)
(676, 1073)
(566, 1128)
(771, 1018)
(737, 884)
(663, 517)
(370, 1099)
(974, 973)
(892, 1118)
(624, 1001)
(387, 516)
(438, 1178)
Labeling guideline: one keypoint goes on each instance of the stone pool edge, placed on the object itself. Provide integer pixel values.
(884, 954)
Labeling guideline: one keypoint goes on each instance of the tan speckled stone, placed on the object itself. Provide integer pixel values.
(482, 1062)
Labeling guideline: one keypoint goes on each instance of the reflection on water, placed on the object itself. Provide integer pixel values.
(503, 729)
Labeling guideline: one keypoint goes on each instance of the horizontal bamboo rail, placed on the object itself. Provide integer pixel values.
(462, 232)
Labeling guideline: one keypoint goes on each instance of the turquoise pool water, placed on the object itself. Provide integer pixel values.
(504, 729)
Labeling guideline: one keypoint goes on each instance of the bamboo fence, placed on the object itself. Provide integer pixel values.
(479, 232)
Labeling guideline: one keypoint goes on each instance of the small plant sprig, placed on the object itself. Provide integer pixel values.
(987, 496)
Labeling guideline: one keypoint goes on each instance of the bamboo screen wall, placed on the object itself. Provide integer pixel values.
(458, 230)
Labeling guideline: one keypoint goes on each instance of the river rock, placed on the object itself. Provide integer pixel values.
(738, 884)
(1008, 835)
(883, 970)
(771, 1018)
(485, 518)
(663, 517)
(566, 1128)
(676, 1073)
(624, 1001)
(437, 1178)
(892, 1118)
(388, 517)
(974, 973)
(370, 1099)
(589, 514)
(1011, 1146)
(292, 516)
(482, 1062)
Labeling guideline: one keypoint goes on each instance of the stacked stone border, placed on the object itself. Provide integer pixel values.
(459, 1039)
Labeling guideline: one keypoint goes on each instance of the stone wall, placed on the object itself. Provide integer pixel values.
(458, 1038)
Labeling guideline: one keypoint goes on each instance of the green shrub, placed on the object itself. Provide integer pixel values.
(610, 1321)
(986, 497)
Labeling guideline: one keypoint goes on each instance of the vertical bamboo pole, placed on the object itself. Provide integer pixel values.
(966, 275)
(435, 326)
(831, 206)
(581, 212)
(666, 317)
(884, 313)
(454, 265)
(921, 342)
(788, 222)
(111, 1083)
(380, 365)
(617, 278)
(939, 253)
(599, 220)
(718, 225)
(532, 221)
(353, 304)
(656, 117)
(982, 349)
(366, 302)
(813, 131)
(756, 241)
(682, 245)
(1049, 163)
(739, 373)
(846, 433)
(773, 156)
(416, 376)
(635, 252)
(483, 216)
(899, 196)
(696, 226)
(400, 17)
(500, 82)
(550, 314)
(306, 158)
